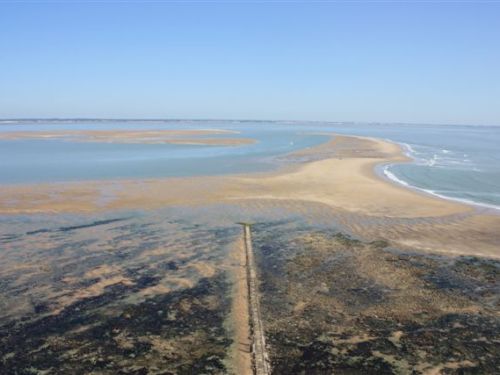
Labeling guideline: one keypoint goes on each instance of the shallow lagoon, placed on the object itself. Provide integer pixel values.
(37, 160)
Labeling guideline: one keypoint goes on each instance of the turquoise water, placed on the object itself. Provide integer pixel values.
(456, 162)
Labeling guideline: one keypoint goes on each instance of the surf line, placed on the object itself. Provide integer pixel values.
(260, 357)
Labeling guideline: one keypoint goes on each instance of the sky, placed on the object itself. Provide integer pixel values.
(366, 61)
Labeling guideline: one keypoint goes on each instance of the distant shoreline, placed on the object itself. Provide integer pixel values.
(178, 137)
(55, 120)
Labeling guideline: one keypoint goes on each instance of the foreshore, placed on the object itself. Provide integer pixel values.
(337, 176)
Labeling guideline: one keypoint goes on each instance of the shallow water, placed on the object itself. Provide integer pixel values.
(458, 162)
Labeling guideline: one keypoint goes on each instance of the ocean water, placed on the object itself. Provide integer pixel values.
(454, 162)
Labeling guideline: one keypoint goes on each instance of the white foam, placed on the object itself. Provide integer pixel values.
(391, 176)
(432, 161)
(409, 150)
(461, 200)
(440, 158)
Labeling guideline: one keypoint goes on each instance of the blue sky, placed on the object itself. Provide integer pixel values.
(428, 62)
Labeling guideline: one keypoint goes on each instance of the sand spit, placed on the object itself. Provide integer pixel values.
(182, 137)
(334, 181)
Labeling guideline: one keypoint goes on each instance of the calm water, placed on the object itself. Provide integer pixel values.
(457, 162)
(57, 160)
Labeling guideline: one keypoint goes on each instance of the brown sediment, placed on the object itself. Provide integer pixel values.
(452, 365)
(68, 266)
(182, 137)
(93, 290)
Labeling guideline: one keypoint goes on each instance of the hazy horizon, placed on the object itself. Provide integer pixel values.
(201, 119)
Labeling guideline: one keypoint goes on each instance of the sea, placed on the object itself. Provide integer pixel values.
(457, 162)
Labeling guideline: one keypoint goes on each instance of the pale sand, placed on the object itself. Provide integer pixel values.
(135, 136)
(342, 180)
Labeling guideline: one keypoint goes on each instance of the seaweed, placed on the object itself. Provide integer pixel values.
(330, 305)
(81, 339)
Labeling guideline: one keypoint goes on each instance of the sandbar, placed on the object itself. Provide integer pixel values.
(184, 137)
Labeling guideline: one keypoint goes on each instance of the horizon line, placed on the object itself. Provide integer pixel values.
(131, 119)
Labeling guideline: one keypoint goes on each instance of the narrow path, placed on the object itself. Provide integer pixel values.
(260, 357)
(241, 351)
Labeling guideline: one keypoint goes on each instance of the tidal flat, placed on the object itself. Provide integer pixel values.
(151, 293)
(355, 275)
(129, 294)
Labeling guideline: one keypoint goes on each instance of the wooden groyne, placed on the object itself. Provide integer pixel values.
(260, 358)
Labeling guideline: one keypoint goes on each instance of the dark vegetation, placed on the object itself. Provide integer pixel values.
(175, 333)
(334, 304)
